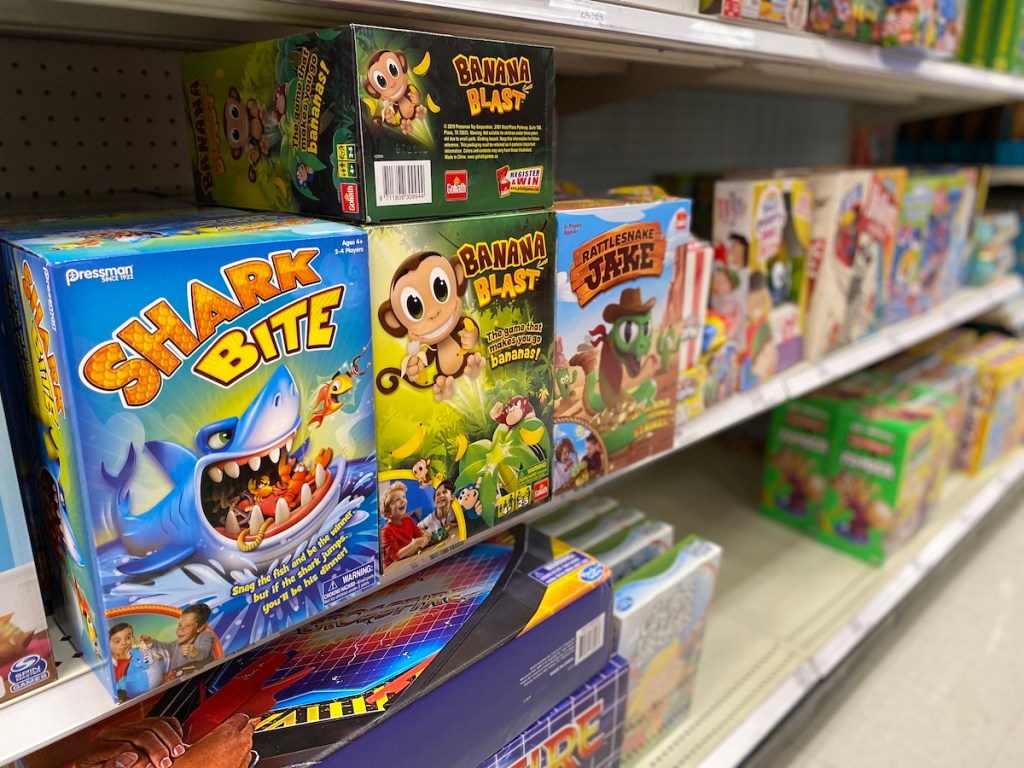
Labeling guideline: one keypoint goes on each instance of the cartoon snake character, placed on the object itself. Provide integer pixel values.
(387, 79)
(623, 353)
(329, 398)
(425, 305)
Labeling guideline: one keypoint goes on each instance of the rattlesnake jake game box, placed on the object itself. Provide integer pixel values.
(440, 669)
(621, 289)
(462, 355)
(373, 124)
(203, 415)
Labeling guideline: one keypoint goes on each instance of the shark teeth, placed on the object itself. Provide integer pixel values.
(254, 463)
(321, 476)
(231, 469)
(305, 495)
(275, 455)
(215, 474)
(231, 523)
(281, 513)
(256, 520)
(288, 445)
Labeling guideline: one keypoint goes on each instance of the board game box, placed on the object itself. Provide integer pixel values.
(202, 457)
(26, 660)
(510, 626)
(625, 551)
(765, 227)
(583, 731)
(373, 124)
(559, 523)
(660, 613)
(851, 255)
(463, 376)
(621, 290)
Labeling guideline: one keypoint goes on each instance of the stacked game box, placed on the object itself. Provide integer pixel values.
(621, 287)
(584, 731)
(852, 242)
(926, 262)
(660, 614)
(26, 661)
(444, 668)
(700, 260)
(202, 452)
(462, 352)
(859, 20)
(764, 227)
(373, 124)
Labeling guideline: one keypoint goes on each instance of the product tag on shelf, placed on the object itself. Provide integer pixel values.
(586, 13)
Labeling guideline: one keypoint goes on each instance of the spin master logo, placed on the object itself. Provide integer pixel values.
(104, 274)
(27, 671)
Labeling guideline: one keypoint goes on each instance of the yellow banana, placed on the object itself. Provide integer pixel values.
(532, 436)
(431, 105)
(461, 443)
(406, 449)
(372, 104)
(423, 66)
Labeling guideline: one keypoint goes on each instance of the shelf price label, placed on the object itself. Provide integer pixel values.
(587, 13)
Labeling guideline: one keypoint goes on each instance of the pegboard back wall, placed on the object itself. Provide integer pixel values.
(88, 119)
(699, 131)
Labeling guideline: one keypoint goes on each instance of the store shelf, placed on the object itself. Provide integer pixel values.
(720, 53)
(805, 377)
(787, 609)
(44, 717)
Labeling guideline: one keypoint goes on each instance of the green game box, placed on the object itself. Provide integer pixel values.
(372, 124)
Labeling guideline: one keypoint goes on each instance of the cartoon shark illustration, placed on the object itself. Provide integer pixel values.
(244, 500)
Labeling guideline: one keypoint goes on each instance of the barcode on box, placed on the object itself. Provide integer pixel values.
(402, 182)
(589, 638)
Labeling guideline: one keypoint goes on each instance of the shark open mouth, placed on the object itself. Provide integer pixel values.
(250, 498)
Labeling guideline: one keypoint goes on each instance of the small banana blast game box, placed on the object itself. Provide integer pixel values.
(205, 458)
(373, 124)
(462, 355)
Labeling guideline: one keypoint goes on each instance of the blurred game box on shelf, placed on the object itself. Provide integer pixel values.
(26, 660)
(462, 343)
(860, 20)
(201, 415)
(926, 263)
(792, 13)
(571, 516)
(512, 626)
(621, 298)
(584, 731)
(764, 229)
(853, 236)
(599, 528)
(373, 124)
(660, 614)
(891, 457)
(627, 550)
(801, 449)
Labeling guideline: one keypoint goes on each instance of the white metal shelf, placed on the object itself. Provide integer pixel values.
(731, 54)
(45, 716)
(787, 609)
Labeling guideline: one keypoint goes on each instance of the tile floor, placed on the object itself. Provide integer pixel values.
(945, 685)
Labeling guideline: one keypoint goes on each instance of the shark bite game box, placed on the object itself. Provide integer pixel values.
(462, 352)
(619, 312)
(203, 458)
(373, 124)
(443, 668)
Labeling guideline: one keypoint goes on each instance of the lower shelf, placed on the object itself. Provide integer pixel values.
(787, 609)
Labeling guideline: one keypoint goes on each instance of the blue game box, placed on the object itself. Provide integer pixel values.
(197, 430)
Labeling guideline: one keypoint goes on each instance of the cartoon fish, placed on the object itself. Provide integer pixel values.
(210, 515)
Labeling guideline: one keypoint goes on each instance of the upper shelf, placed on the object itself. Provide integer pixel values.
(712, 53)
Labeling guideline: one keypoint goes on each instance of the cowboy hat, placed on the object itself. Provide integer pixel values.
(630, 303)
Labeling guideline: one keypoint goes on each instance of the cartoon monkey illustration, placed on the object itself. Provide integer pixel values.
(387, 79)
(426, 305)
(248, 129)
(512, 412)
